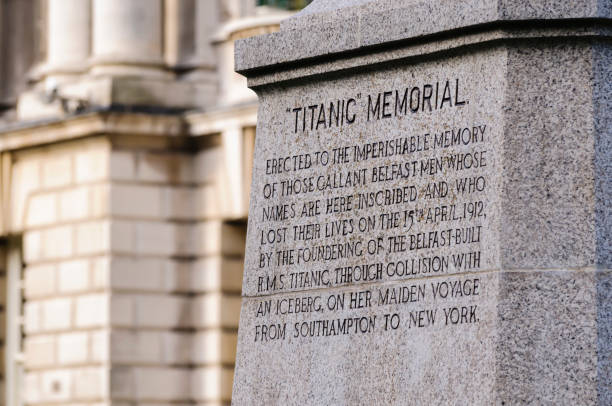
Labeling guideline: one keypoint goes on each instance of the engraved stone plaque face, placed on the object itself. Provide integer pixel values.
(373, 237)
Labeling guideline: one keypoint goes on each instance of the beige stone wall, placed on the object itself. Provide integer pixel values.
(60, 203)
(133, 255)
(175, 277)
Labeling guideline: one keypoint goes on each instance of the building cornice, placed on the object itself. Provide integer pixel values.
(44, 132)
(162, 124)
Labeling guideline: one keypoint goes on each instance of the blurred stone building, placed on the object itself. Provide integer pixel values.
(125, 153)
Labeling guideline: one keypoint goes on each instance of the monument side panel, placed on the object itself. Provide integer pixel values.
(549, 175)
(554, 315)
(603, 189)
(602, 98)
(373, 253)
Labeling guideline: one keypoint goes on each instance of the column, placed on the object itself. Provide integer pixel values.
(127, 36)
(68, 35)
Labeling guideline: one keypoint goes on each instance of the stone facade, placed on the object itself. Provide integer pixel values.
(132, 271)
(126, 144)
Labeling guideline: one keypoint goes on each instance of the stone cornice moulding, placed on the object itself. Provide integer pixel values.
(342, 34)
(217, 120)
(92, 124)
(191, 124)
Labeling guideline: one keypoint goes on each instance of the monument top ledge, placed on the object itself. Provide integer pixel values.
(326, 27)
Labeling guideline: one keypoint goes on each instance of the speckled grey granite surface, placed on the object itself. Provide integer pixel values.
(602, 112)
(549, 165)
(506, 298)
(553, 343)
(326, 11)
(346, 26)
(434, 364)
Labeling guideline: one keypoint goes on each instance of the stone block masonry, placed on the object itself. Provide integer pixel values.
(429, 213)
(132, 272)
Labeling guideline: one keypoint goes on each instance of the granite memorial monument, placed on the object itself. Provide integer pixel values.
(431, 211)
